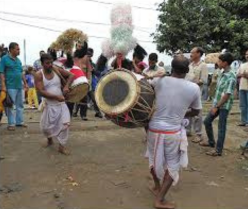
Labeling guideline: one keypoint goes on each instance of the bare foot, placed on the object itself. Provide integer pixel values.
(154, 190)
(63, 150)
(48, 143)
(164, 205)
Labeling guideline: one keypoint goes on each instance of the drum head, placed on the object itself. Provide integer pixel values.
(117, 92)
(77, 93)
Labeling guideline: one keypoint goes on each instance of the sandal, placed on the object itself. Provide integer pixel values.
(22, 125)
(205, 144)
(11, 128)
(197, 139)
(213, 153)
(241, 124)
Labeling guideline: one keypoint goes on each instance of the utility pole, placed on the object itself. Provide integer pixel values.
(25, 58)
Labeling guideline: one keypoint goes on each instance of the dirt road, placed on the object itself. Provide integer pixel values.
(107, 170)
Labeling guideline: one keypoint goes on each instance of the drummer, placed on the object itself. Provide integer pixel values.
(55, 118)
(84, 64)
(153, 70)
(167, 138)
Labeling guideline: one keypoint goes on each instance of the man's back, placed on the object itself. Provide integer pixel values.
(173, 98)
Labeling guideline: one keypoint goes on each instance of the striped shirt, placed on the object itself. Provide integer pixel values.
(225, 85)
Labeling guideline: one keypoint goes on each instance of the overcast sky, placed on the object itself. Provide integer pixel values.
(145, 21)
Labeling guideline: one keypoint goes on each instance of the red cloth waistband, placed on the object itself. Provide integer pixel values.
(163, 132)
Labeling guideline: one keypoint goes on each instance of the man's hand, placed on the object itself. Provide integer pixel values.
(66, 90)
(60, 98)
(200, 83)
(25, 87)
(159, 74)
(244, 75)
(146, 76)
(4, 88)
(214, 110)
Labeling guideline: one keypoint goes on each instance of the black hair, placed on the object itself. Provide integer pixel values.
(139, 52)
(90, 50)
(4, 52)
(80, 53)
(69, 61)
(180, 64)
(42, 51)
(227, 57)
(53, 53)
(45, 57)
(200, 50)
(12, 45)
(126, 63)
(153, 57)
(216, 66)
(101, 63)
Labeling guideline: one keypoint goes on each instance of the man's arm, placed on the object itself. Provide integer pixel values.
(38, 80)
(192, 112)
(239, 74)
(136, 68)
(196, 105)
(245, 75)
(24, 82)
(229, 91)
(3, 88)
(69, 78)
(223, 100)
(203, 75)
(88, 64)
(35, 65)
(2, 71)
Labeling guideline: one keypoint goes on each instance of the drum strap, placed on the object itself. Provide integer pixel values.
(63, 81)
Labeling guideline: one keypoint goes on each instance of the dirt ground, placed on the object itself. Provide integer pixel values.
(107, 169)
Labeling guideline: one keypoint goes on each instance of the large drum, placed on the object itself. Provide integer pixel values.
(126, 98)
(79, 87)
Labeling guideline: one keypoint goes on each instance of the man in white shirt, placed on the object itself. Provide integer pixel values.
(167, 143)
(198, 74)
(37, 64)
(153, 70)
(243, 91)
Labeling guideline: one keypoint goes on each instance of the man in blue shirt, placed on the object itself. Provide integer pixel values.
(13, 81)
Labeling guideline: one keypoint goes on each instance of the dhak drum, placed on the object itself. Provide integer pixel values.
(79, 87)
(126, 98)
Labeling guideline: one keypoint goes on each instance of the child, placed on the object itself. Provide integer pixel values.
(32, 95)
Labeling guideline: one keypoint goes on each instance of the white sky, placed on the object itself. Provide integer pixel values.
(37, 39)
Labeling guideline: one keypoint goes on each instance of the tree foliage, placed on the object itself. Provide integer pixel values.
(211, 24)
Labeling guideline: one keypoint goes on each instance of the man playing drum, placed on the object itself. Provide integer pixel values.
(167, 138)
(55, 118)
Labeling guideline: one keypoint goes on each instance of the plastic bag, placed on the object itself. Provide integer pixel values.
(8, 102)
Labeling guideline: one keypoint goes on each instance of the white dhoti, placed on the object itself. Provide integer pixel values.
(55, 121)
(167, 150)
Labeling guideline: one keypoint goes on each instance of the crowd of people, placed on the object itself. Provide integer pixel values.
(178, 110)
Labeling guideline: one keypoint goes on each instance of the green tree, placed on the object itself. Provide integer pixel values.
(237, 25)
(211, 24)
